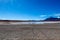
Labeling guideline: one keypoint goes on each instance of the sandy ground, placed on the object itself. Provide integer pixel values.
(30, 32)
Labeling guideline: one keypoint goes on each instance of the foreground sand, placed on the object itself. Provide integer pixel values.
(30, 32)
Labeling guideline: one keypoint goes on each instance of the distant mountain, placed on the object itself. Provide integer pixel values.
(52, 19)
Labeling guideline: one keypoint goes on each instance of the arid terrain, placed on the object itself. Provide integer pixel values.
(49, 31)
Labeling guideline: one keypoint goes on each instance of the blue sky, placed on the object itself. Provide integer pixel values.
(29, 9)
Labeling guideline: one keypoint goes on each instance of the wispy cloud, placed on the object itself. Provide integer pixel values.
(7, 1)
(43, 16)
(58, 14)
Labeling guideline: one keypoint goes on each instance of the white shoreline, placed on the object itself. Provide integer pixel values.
(19, 23)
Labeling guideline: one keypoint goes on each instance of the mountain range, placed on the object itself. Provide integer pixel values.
(52, 19)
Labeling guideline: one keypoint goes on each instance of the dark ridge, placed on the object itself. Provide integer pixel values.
(52, 19)
(19, 20)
